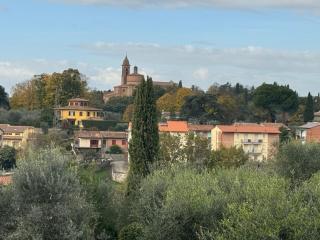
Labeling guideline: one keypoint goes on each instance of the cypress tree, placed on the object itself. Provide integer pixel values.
(308, 114)
(144, 145)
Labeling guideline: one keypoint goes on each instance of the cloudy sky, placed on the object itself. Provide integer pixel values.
(197, 41)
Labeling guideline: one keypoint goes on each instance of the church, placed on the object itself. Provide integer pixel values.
(129, 81)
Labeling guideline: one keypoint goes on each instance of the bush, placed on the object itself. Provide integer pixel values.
(131, 232)
(298, 161)
(181, 204)
(227, 158)
(115, 149)
(48, 199)
(7, 158)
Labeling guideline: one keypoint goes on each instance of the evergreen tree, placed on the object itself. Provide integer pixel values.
(144, 145)
(180, 84)
(4, 100)
(308, 114)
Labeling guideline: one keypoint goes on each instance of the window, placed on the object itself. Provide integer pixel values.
(80, 114)
(69, 113)
(73, 113)
(88, 114)
(94, 143)
(124, 142)
(114, 142)
(94, 114)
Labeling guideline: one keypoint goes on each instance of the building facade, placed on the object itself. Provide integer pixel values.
(129, 82)
(100, 140)
(258, 141)
(78, 109)
(18, 137)
(309, 132)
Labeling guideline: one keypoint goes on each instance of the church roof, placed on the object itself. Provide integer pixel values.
(126, 61)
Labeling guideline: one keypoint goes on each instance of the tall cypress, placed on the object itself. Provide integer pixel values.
(144, 144)
(308, 114)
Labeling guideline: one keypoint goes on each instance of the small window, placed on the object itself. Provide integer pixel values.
(80, 114)
(124, 142)
(249, 140)
(88, 114)
(74, 113)
(114, 142)
(94, 114)
(69, 113)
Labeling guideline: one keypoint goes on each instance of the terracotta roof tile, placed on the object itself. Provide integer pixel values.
(13, 129)
(100, 134)
(174, 126)
(200, 128)
(5, 179)
(249, 128)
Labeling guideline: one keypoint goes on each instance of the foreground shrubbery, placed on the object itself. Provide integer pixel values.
(51, 199)
(45, 201)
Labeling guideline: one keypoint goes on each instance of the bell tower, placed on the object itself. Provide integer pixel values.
(125, 70)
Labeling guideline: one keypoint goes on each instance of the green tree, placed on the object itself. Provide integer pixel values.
(276, 99)
(118, 104)
(115, 149)
(228, 158)
(4, 100)
(7, 157)
(308, 114)
(144, 145)
(48, 199)
(298, 161)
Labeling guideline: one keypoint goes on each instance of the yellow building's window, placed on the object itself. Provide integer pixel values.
(80, 114)
(88, 114)
(69, 113)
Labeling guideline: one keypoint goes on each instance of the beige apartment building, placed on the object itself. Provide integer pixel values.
(257, 140)
(18, 136)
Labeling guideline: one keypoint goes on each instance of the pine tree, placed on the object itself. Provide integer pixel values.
(308, 114)
(144, 145)
(180, 84)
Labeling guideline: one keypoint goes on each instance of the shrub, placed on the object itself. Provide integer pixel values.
(7, 157)
(132, 231)
(298, 161)
(228, 158)
(115, 149)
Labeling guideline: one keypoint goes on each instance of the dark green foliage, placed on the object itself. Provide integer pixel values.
(144, 145)
(4, 99)
(227, 158)
(276, 99)
(203, 107)
(72, 85)
(308, 114)
(7, 158)
(95, 98)
(285, 135)
(21, 117)
(132, 231)
(298, 161)
(105, 125)
(115, 149)
(118, 104)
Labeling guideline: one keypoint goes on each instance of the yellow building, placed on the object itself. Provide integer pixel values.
(18, 136)
(257, 140)
(78, 109)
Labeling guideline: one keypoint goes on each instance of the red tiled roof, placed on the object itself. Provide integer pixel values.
(200, 128)
(100, 134)
(174, 126)
(5, 179)
(13, 129)
(249, 128)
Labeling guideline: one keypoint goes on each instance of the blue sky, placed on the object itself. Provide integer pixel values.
(200, 42)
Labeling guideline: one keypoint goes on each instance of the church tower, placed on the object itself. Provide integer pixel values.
(125, 70)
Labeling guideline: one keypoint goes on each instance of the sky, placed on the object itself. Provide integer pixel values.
(200, 42)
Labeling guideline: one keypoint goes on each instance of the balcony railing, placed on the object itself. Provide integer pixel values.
(249, 142)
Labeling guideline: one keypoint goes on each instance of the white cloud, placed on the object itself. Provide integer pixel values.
(201, 74)
(245, 4)
(248, 65)
(105, 77)
(11, 74)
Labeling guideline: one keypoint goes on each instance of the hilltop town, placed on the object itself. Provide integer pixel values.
(117, 137)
